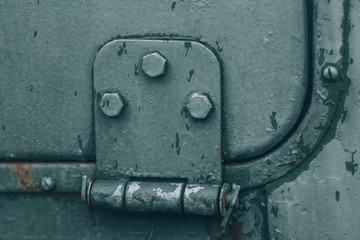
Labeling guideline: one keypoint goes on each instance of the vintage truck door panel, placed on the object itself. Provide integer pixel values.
(170, 107)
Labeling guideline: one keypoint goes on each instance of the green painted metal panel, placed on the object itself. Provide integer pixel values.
(48, 47)
(317, 200)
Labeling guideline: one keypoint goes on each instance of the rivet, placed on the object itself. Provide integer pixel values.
(47, 183)
(330, 73)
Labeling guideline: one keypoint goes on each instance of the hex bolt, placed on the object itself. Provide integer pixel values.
(47, 183)
(330, 73)
(199, 105)
(111, 104)
(154, 64)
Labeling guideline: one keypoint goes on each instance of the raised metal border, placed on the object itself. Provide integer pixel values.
(324, 108)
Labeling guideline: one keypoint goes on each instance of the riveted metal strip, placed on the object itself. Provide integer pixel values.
(27, 177)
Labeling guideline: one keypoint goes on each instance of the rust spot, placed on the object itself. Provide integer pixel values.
(23, 174)
(234, 230)
(297, 131)
(289, 164)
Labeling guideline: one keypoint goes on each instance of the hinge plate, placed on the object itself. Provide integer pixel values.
(154, 136)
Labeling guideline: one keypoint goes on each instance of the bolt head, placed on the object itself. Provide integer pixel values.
(330, 73)
(153, 64)
(111, 104)
(199, 105)
(47, 183)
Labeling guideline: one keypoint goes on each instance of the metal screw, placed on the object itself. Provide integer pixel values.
(47, 183)
(111, 104)
(330, 73)
(199, 105)
(153, 64)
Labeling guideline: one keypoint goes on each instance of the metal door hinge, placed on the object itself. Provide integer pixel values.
(160, 197)
(158, 116)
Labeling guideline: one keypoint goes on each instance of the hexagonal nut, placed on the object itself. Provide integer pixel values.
(199, 105)
(154, 64)
(111, 104)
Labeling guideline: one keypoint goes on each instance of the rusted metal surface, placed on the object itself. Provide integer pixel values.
(27, 177)
(234, 230)
(22, 173)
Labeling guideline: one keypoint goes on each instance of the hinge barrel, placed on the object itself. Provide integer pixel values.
(153, 197)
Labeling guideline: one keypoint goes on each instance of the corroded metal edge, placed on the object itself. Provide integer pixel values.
(26, 177)
(326, 102)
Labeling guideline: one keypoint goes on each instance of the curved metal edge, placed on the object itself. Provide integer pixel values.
(324, 108)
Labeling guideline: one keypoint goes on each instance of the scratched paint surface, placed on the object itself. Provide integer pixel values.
(319, 200)
(50, 46)
(155, 134)
(47, 49)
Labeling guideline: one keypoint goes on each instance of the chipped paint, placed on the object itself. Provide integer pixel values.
(194, 189)
(201, 199)
(196, 18)
(169, 195)
(158, 197)
(133, 187)
(116, 198)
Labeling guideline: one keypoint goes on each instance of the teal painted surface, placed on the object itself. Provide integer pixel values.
(155, 136)
(318, 200)
(63, 216)
(47, 50)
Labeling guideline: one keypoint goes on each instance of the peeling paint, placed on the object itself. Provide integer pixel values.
(133, 187)
(168, 195)
(192, 190)
(117, 197)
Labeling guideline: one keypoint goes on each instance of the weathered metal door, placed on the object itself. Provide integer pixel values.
(157, 113)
